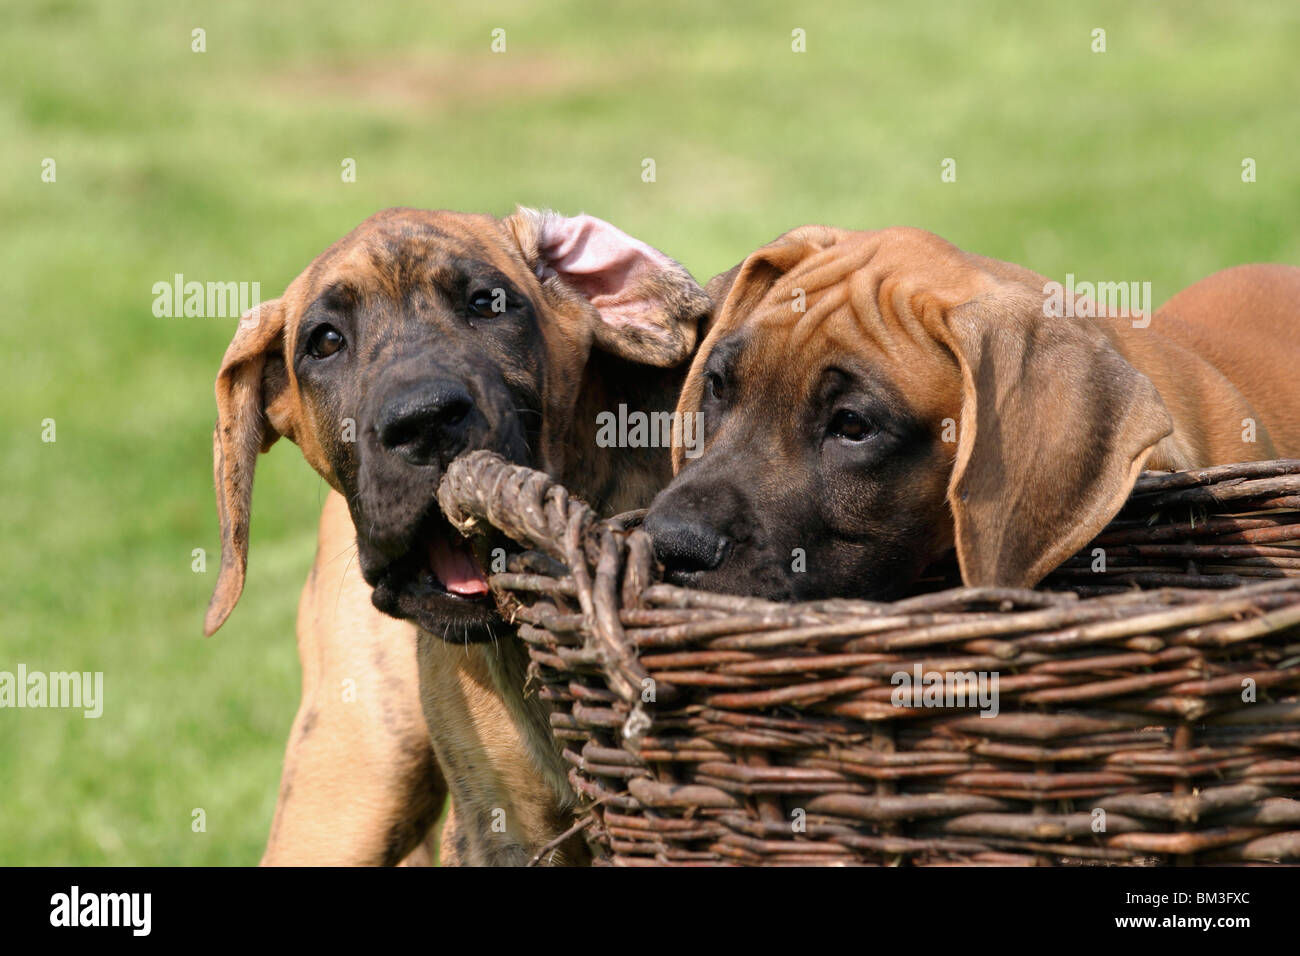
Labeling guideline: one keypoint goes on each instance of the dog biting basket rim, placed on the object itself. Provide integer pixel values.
(1146, 706)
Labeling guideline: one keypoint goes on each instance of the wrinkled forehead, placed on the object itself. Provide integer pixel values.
(870, 304)
(791, 364)
(900, 268)
(397, 253)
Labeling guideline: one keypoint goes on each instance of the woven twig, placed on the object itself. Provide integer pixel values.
(1147, 702)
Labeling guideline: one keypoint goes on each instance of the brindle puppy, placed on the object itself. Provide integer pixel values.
(415, 338)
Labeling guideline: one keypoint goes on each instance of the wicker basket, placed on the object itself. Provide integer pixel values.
(1146, 712)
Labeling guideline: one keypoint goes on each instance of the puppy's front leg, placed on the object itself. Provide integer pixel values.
(360, 784)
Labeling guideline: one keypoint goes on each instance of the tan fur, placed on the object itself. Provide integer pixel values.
(965, 338)
(495, 748)
(358, 755)
(361, 779)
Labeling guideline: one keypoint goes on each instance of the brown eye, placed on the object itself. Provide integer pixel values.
(487, 304)
(851, 426)
(713, 384)
(325, 341)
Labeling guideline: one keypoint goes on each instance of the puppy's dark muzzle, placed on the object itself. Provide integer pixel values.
(426, 423)
(686, 543)
(418, 419)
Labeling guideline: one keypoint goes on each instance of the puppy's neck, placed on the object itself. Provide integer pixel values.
(628, 473)
(503, 767)
(1209, 412)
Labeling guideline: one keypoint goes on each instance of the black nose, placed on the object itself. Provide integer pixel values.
(686, 542)
(425, 425)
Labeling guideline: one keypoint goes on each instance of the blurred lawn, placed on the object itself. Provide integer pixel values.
(225, 165)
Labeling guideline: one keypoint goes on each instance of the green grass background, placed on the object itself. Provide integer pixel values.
(225, 165)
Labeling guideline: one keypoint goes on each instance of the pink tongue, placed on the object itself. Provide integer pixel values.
(455, 570)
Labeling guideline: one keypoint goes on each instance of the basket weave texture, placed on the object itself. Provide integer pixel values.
(1146, 694)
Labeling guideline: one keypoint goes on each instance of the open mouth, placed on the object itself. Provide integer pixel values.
(439, 583)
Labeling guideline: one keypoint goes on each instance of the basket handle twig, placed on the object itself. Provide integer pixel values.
(535, 511)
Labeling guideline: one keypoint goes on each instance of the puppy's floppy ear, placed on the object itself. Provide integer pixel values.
(754, 277)
(648, 307)
(1055, 427)
(253, 410)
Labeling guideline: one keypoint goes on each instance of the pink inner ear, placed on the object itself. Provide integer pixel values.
(603, 264)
